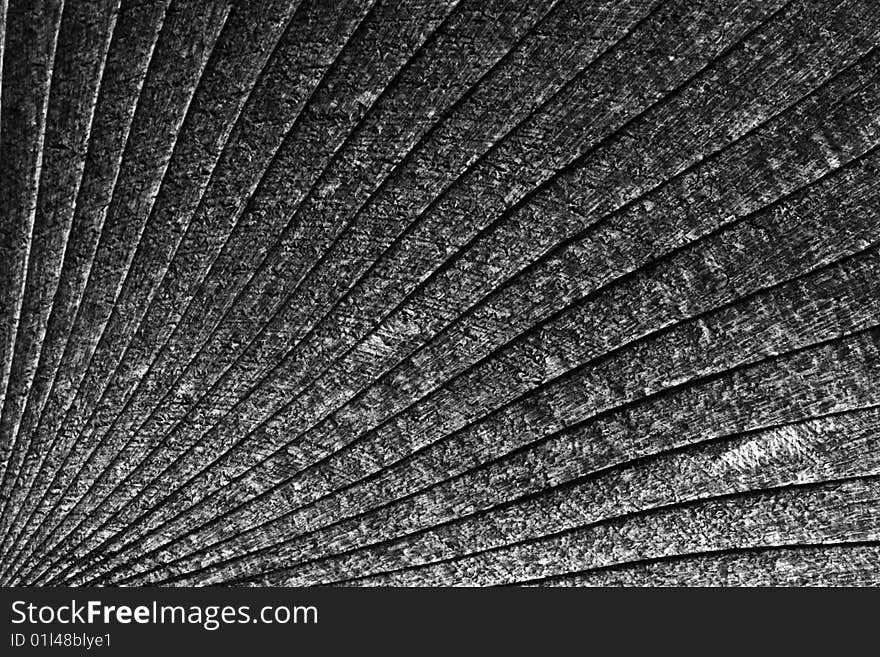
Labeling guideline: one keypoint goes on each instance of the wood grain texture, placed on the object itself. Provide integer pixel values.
(440, 292)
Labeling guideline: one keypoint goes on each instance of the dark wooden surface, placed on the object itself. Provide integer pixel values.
(440, 292)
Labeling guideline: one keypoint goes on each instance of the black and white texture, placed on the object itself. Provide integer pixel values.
(433, 292)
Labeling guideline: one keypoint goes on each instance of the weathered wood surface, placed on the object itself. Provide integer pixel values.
(382, 292)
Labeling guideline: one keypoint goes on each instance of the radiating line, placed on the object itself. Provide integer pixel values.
(346, 139)
(540, 441)
(624, 518)
(77, 321)
(38, 421)
(340, 394)
(161, 279)
(632, 29)
(699, 555)
(41, 329)
(167, 342)
(99, 229)
(583, 365)
(3, 5)
(15, 314)
(112, 492)
(569, 484)
(556, 314)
